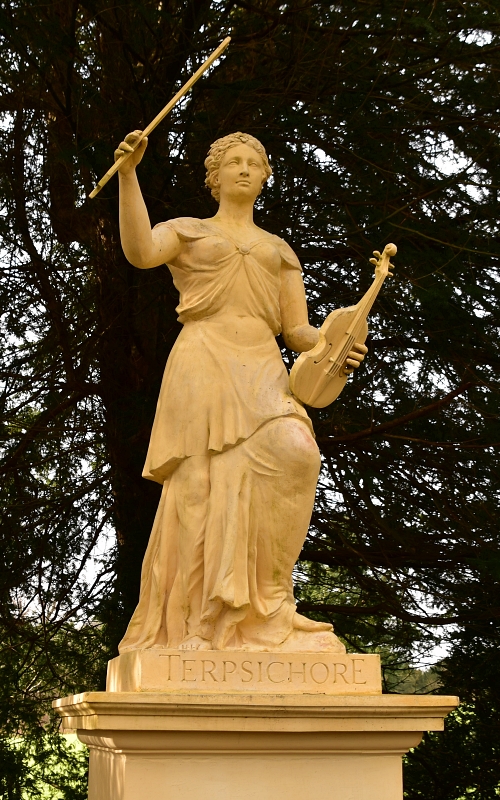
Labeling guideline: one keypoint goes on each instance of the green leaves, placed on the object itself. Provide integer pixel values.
(381, 124)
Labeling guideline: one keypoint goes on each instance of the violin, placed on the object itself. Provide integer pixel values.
(318, 376)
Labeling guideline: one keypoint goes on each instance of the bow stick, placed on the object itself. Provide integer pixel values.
(163, 113)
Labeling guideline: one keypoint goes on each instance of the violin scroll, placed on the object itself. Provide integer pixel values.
(382, 261)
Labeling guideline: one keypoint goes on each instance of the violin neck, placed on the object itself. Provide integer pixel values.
(365, 304)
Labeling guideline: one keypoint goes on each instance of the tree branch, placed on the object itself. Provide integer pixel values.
(395, 423)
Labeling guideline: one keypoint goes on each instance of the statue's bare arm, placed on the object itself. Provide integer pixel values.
(297, 333)
(143, 247)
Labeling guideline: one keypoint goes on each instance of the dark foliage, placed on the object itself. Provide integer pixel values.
(381, 119)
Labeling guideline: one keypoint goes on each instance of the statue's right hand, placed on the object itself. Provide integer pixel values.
(127, 147)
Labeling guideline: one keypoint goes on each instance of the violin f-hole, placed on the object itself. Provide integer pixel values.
(325, 355)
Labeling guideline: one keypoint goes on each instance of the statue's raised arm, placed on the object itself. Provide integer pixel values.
(143, 247)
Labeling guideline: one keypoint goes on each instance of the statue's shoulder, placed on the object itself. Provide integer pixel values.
(188, 228)
(288, 256)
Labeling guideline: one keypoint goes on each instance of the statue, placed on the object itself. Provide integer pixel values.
(234, 451)
(232, 447)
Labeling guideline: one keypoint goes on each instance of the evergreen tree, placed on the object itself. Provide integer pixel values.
(381, 120)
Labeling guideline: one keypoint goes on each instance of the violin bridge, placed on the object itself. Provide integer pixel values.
(338, 363)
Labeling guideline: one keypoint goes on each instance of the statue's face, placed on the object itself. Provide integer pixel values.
(241, 173)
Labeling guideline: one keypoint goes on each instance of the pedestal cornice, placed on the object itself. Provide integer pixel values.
(195, 711)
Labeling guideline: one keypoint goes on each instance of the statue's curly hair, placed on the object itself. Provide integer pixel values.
(220, 147)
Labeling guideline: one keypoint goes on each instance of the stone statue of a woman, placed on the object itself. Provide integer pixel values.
(233, 449)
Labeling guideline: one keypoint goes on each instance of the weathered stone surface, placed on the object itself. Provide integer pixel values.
(215, 671)
(232, 447)
(255, 746)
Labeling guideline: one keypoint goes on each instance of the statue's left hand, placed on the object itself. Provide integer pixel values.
(355, 357)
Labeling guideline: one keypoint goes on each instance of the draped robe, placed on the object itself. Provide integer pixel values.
(235, 453)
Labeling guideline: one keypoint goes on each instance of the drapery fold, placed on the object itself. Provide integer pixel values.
(231, 575)
(214, 395)
(236, 455)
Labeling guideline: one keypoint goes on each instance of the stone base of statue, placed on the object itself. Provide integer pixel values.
(217, 725)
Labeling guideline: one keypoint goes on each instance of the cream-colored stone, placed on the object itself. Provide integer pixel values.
(319, 375)
(232, 447)
(293, 713)
(161, 670)
(173, 746)
(222, 690)
(260, 775)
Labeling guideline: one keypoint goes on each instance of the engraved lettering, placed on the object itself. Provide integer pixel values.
(246, 671)
(300, 671)
(259, 679)
(186, 669)
(357, 670)
(225, 669)
(340, 669)
(271, 664)
(207, 670)
(169, 663)
(324, 671)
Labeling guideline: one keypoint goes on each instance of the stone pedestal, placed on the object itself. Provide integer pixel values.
(274, 741)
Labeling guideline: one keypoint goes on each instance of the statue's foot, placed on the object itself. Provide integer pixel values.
(195, 643)
(311, 642)
(301, 623)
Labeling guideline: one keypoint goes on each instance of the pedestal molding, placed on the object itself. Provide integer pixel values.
(252, 742)
(173, 746)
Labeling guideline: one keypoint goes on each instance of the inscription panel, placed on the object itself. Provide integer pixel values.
(219, 671)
